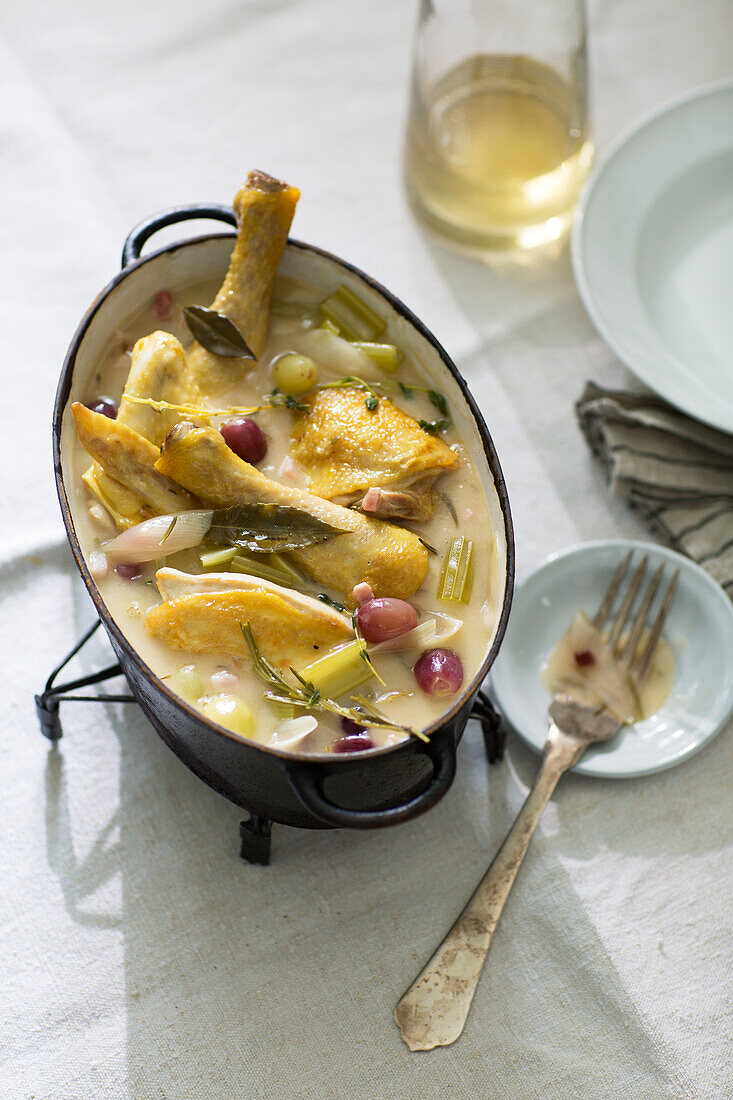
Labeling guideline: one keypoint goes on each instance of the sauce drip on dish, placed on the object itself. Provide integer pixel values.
(583, 666)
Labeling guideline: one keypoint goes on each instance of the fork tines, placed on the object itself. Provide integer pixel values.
(637, 664)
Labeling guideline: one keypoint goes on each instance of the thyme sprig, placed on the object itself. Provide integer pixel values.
(278, 398)
(307, 697)
(195, 410)
(353, 382)
(373, 389)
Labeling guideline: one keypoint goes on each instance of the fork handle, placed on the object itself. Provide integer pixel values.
(434, 1009)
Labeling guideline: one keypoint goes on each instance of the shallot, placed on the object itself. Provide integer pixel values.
(159, 537)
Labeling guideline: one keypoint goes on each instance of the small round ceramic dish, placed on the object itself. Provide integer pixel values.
(653, 252)
(699, 630)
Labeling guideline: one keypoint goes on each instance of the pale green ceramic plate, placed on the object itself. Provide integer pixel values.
(699, 630)
(653, 252)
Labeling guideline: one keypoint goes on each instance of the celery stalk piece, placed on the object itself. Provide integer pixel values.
(386, 356)
(354, 318)
(271, 567)
(282, 563)
(340, 671)
(309, 310)
(254, 567)
(212, 559)
(456, 579)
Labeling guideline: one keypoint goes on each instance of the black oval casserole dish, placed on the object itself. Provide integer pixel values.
(360, 790)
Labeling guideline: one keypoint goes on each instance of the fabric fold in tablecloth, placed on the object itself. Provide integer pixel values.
(676, 472)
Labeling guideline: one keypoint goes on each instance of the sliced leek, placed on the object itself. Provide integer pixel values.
(456, 579)
(262, 566)
(213, 559)
(352, 317)
(339, 671)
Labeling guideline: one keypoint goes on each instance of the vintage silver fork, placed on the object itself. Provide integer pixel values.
(434, 1009)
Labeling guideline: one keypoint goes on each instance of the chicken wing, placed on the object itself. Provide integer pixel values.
(348, 451)
(264, 207)
(389, 558)
(158, 370)
(129, 459)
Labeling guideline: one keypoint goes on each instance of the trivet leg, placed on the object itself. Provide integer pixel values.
(491, 726)
(47, 703)
(256, 834)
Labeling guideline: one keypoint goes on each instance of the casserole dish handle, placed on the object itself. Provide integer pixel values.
(137, 237)
(307, 782)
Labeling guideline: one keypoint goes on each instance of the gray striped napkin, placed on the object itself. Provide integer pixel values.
(676, 472)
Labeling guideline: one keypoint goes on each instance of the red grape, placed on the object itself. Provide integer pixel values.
(384, 618)
(104, 405)
(348, 725)
(584, 657)
(245, 438)
(439, 672)
(129, 570)
(163, 303)
(353, 742)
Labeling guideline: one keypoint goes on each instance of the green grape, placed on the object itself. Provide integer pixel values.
(295, 373)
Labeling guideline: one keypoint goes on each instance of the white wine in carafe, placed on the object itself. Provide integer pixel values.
(495, 155)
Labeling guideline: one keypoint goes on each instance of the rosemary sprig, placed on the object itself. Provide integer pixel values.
(329, 602)
(363, 651)
(305, 696)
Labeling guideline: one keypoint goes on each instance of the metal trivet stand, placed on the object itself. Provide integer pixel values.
(255, 831)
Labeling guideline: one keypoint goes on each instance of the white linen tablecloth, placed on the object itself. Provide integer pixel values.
(141, 958)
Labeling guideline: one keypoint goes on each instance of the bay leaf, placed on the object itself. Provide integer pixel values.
(217, 333)
(268, 528)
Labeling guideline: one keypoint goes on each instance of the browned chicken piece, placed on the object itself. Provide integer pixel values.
(129, 459)
(210, 622)
(158, 370)
(389, 558)
(348, 452)
(202, 615)
(264, 208)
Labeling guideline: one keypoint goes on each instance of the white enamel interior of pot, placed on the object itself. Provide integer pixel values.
(201, 260)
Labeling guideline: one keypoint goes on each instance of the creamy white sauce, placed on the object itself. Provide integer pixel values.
(128, 601)
(583, 666)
